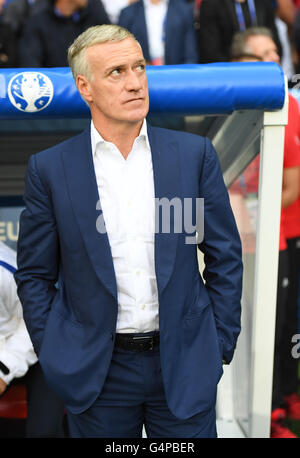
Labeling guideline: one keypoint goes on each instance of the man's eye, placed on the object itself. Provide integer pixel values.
(140, 67)
(115, 72)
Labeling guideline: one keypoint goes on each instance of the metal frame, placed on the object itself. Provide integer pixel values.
(245, 391)
(266, 268)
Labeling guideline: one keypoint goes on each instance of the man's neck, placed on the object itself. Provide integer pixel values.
(122, 136)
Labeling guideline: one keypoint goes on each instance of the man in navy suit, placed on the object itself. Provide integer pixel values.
(126, 331)
(164, 29)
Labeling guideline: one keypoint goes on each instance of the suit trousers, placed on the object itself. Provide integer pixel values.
(45, 411)
(132, 398)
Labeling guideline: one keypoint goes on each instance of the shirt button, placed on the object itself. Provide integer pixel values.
(138, 272)
(143, 307)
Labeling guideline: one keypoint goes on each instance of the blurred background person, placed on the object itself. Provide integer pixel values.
(114, 7)
(195, 4)
(16, 13)
(285, 12)
(296, 38)
(221, 19)
(16, 351)
(8, 42)
(257, 44)
(18, 361)
(165, 30)
(47, 35)
(297, 4)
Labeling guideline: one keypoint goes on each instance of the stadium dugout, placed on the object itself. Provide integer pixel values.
(242, 108)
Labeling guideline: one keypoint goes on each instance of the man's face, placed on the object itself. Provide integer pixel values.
(263, 47)
(118, 90)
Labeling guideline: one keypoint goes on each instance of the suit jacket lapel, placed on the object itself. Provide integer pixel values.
(83, 190)
(166, 173)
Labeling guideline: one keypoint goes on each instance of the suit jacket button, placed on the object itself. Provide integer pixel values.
(112, 336)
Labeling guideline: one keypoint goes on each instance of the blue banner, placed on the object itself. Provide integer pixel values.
(174, 89)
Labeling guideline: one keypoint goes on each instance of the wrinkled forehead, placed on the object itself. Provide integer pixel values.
(112, 53)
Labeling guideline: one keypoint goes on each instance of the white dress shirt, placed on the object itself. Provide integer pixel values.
(16, 350)
(126, 191)
(155, 16)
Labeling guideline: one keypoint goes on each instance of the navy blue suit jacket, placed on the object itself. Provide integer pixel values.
(180, 37)
(67, 285)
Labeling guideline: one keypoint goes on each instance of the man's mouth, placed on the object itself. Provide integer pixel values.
(136, 99)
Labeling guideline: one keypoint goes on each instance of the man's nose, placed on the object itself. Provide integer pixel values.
(133, 81)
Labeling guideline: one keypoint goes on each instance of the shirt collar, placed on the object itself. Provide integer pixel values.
(96, 138)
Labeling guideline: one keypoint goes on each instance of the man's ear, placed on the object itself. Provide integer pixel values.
(84, 88)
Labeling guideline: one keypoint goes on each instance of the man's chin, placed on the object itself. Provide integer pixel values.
(137, 117)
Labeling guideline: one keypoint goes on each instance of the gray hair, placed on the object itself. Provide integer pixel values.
(94, 35)
(239, 46)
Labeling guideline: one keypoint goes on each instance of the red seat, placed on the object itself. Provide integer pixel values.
(13, 403)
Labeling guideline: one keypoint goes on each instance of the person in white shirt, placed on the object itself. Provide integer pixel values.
(18, 360)
(165, 30)
(16, 350)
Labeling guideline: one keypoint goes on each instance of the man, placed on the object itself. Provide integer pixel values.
(257, 44)
(47, 34)
(164, 29)
(131, 335)
(18, 361)
(221, 19)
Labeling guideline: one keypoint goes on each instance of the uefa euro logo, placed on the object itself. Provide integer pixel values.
(30, 91)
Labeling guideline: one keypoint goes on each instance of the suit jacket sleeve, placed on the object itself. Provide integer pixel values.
(37, 255)
(221, 246)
